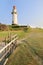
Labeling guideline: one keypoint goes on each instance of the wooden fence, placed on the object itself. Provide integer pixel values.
(7, 50)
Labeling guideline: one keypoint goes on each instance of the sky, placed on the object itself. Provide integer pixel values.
(30, 12)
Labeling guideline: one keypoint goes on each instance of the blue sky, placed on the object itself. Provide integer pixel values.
(30, 12)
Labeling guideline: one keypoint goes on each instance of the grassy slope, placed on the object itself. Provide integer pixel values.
(22, 56)
(4, 34)
(30, 52)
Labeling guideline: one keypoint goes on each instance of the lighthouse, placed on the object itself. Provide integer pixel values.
(14, 16)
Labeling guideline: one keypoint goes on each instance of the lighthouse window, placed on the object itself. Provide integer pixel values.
(15, 12)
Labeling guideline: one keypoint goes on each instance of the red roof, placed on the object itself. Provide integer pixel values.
(14, 7)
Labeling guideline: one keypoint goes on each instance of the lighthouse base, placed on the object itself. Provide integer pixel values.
(15, 24)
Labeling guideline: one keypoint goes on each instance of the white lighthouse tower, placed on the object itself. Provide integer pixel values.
(14, 16)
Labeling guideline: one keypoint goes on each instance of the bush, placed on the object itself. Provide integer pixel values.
(3, 27)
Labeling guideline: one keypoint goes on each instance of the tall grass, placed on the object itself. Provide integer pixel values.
(30, 51)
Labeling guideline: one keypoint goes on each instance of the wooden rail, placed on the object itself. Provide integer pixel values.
(8, 48)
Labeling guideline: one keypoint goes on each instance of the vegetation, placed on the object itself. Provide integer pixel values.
(3, 27)
(7, 30)
(30, 51)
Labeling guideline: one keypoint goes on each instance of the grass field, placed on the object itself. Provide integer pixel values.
(4, 34)
(30, 51)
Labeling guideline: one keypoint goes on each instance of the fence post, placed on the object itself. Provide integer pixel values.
(5, 40)
(10, 36)
(5, 45)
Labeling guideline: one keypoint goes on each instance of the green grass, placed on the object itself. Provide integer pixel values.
(21, 34)
(22, 56)
(30, 51)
